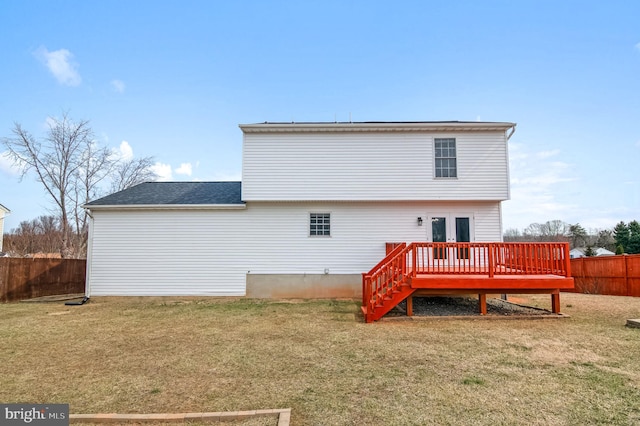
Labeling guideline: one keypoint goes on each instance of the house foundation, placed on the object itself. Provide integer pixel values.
(304, 286)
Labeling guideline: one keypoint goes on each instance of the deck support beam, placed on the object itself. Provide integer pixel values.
(410, 306)
(482, 303)
(555, 303)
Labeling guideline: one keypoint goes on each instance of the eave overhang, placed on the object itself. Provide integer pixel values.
(430, 126)
(122, 207)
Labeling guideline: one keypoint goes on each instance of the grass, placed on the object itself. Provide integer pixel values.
(142, 355)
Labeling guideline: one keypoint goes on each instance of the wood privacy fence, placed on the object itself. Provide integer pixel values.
(22, 278)
(611, 275)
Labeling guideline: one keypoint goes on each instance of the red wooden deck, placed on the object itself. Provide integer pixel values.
(465, 268)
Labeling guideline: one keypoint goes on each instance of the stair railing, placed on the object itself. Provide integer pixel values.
(386, 277)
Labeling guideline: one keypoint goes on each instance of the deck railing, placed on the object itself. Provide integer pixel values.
(385, 278)
(390, 278)
(491, 258)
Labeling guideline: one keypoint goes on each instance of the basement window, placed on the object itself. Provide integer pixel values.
(320, 224)
(445, 155)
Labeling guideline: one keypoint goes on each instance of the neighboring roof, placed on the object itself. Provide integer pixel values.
(604, 252)
(598, 251)
(377, 126)
(150, 194)
(3, 208)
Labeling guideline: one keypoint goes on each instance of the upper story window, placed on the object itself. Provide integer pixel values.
(320, 224)
(446, 165)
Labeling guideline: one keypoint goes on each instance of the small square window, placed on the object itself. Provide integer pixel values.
(319, 224)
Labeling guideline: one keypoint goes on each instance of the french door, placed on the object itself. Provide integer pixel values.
(450, 228)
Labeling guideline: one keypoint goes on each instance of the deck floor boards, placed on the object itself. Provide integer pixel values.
(509, 283)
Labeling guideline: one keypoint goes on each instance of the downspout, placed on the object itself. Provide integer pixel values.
(7, 213)
(513, 130)
(87, 280)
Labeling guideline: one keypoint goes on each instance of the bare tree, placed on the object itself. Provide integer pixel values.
(71, 166)
(55, 161)
(41, 235)
(555, 230)
(128, 173)
(21, 240)
(95, 165)
(552, 230)
(512, 235)
(533, 232)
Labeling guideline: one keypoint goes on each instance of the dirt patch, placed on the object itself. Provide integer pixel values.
(54, 298)
(467, 306)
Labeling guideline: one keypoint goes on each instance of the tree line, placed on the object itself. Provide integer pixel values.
(623, 238)
(73, 169)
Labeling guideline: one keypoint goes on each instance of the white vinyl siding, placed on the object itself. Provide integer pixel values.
(209, 252)
(363, 166)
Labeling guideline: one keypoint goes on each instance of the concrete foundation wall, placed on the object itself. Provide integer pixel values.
(304, 286)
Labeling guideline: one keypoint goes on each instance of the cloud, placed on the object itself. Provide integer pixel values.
(59, 64)
(7, 166)
(638, 144)
(50, 122)
(226, 177)
(638, 46)
(546, 154)
(184, 169)
(118, 85)
(541, 187)
(126, 152)
(163, 171)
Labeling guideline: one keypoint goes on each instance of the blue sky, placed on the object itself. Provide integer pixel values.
(173, 79)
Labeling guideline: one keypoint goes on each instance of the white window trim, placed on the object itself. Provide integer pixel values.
(309, 213)
(433, 156)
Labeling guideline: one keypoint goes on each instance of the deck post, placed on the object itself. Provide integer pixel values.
(555, 302)
(567, 261)
(366, 291)
(491, 260)
(482, 302)
(410, 306)
(414, 260)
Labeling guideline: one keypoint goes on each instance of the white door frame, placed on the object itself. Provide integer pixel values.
(450, 218)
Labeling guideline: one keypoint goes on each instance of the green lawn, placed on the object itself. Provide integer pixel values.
(167, 355)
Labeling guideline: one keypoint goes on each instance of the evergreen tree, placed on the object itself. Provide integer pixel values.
(605, 239)
(577, 235)
(621, 235)
(633, 245)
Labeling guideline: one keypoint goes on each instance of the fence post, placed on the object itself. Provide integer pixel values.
(626, 275)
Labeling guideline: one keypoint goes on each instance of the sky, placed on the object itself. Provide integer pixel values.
(173, 79)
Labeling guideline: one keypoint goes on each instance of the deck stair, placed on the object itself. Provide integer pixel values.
(465, 268)
(386, 284)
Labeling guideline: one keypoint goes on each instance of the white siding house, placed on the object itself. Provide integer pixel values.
(316, 206)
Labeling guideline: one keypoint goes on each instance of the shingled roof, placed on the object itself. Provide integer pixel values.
(174, 193)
